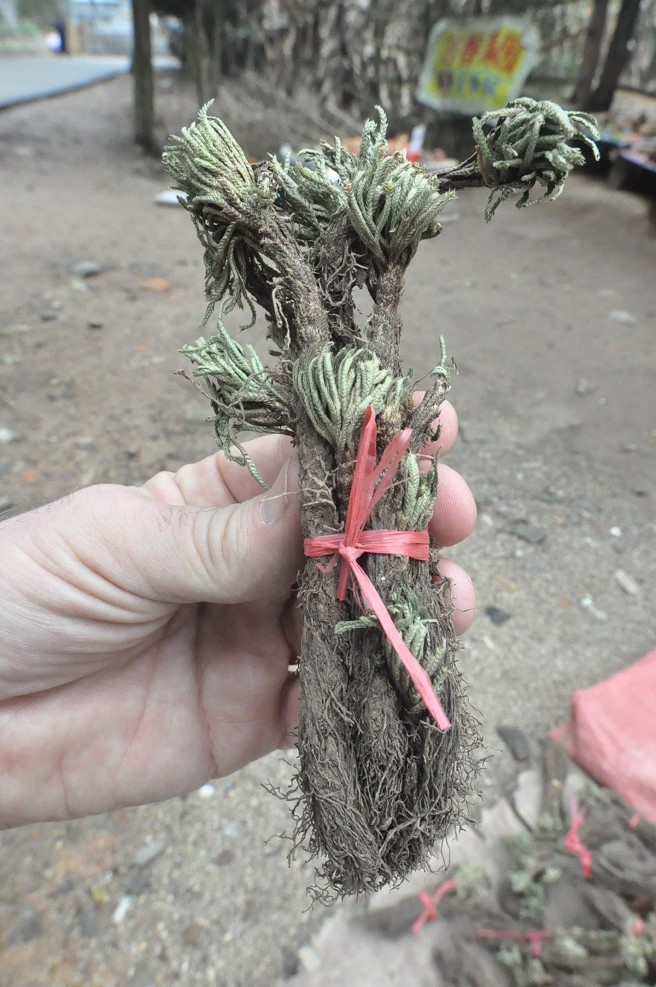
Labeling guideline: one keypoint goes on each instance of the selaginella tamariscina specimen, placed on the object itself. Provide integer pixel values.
(378, 784)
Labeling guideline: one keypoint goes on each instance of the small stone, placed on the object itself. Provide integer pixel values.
(27, 928)
(516, 742)
(85, 441)
(615, 532)
(86, 922)
(131, 452)
(7, 435)
(193, 934)
(496, 615)
(48, 316)
(99, 894)
(225, 857)
(146, 854)
(87, 269)
(528, 532)
(136, 882)
(583, 387)
(122, 909)
(95, 324)
(623, 317)
(206, 791)
(308, 959)
(626, 582)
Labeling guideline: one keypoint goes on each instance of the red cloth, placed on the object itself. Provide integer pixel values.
(611, 733)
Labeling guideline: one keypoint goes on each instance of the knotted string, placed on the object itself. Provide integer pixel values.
(370, 483)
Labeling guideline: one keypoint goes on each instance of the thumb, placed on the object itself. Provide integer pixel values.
(236, 554)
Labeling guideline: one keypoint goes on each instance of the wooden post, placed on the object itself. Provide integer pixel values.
(142, 73)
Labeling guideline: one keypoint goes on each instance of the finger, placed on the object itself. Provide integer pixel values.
(218, 482)
(454, 514)
(247, 551)
(179, 554)
(447, 421)
(460, 593)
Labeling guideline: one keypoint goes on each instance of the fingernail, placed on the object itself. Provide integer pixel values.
(277, 499)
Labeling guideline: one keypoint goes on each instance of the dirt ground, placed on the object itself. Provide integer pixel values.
(550, 314)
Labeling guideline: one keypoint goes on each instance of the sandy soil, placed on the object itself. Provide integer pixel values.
(550, 314)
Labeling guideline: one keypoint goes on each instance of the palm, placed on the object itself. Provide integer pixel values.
(200, 698)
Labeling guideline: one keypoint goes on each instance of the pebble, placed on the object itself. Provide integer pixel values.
(7, 435)
(86, 922)
(626, 582)
(87, 269)
(516, 742)
(135, 883)
(528, 532)
(623, 317)
(583, 387)
(28, 927)
(615, 532)
(147, 853)
(206, 791)
(122, 909)
(95, 324)
(496, 615)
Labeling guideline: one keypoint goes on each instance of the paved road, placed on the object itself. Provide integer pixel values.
(28, 77)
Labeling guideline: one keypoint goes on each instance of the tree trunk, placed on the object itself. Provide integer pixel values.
(617, 56)
(142, 73)
(591, 53)
(216, 47)
(199, 54)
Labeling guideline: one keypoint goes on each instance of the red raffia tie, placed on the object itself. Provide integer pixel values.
(370, 482)
(574, 844)
(430, 904)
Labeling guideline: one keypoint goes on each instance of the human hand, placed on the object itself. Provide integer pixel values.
(146, 633)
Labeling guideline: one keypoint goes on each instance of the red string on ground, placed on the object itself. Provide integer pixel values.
(370, 482)
(573, 843)
(429, 913)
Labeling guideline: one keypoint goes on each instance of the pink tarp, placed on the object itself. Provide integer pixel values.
(611, 733)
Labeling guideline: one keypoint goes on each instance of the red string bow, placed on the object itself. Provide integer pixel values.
(370, 483)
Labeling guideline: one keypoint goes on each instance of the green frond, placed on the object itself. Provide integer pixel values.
(530, 145)
(245, 394)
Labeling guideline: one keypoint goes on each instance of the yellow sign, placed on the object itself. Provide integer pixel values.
(476, 64)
